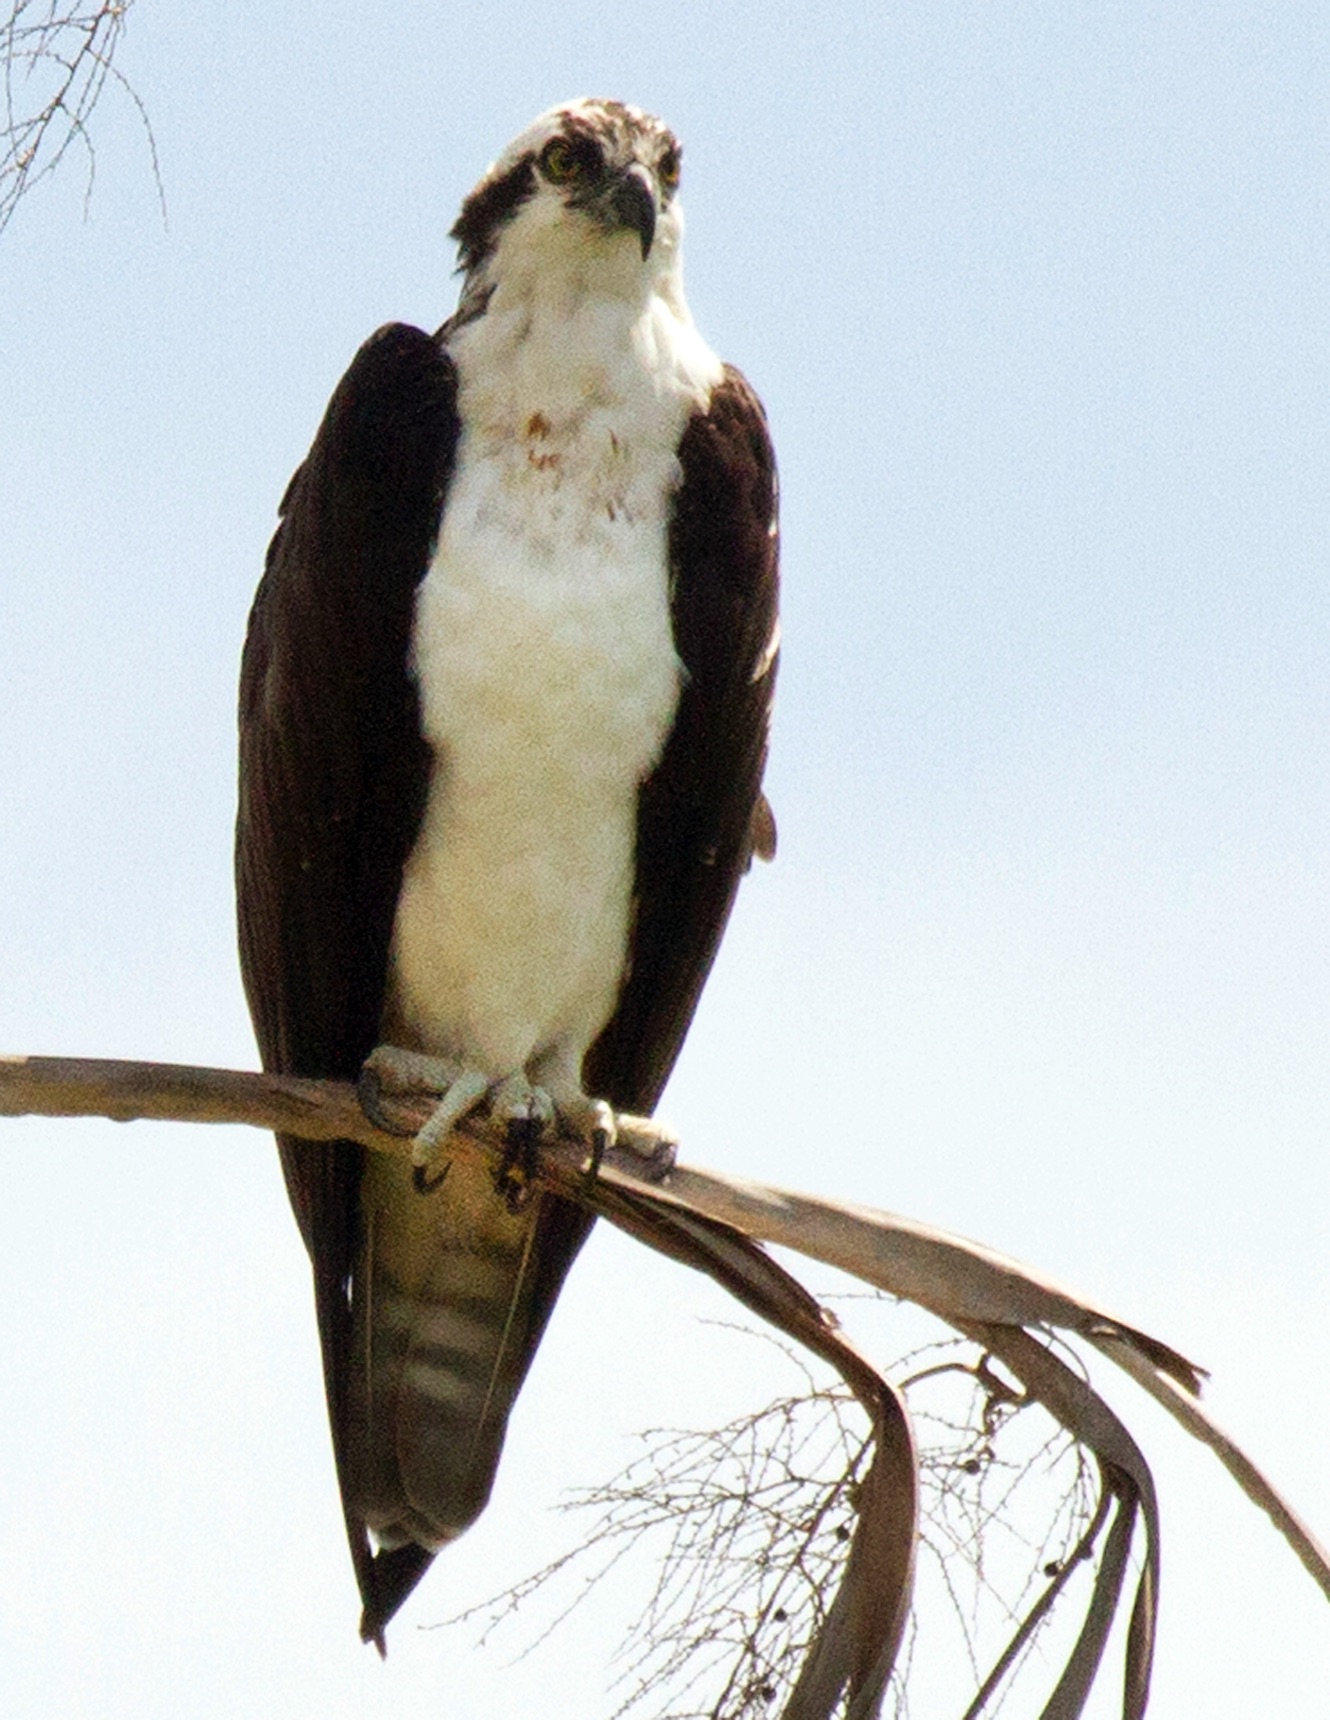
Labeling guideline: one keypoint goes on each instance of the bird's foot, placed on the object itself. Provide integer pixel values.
(390, 1069)
(527, 1112)
(580, 1117)
(593, 1123)
(653, 1147)
(530, 1112)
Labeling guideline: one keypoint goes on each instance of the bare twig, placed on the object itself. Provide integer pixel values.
(747, 1526)
(58, 56)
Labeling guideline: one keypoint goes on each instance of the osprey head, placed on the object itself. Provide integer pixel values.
(588, 173)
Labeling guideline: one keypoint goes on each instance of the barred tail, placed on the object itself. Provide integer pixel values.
(441, 1308)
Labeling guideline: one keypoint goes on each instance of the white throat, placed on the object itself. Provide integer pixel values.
(576, 320)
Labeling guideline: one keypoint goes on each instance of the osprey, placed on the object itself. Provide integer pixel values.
(503, 720)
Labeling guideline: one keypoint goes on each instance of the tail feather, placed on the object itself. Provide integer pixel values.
(442, 1315)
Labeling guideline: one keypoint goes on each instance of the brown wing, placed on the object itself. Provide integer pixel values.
(333, 775)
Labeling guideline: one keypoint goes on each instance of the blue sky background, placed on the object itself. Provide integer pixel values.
(1036, 297)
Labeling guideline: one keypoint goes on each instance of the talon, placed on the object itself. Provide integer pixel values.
(369, 1094)
(423, 1182)
(600, 1143)
(462, 1096)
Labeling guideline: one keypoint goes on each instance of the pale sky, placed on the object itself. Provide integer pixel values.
(1036, 297)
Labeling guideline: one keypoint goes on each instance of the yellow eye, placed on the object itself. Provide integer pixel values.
(558, 161)
(667, 169)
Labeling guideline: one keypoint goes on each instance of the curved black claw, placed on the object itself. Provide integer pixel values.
(600, 1140)
(423, 1182)
(369, 1092)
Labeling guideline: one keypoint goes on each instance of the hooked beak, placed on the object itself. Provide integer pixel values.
(631, 203)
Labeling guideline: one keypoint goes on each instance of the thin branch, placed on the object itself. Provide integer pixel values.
(746, 1527)
(58, 56)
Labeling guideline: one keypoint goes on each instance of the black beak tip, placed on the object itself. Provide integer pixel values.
(634, 206)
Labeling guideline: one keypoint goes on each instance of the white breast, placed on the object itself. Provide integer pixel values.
(548, 678)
